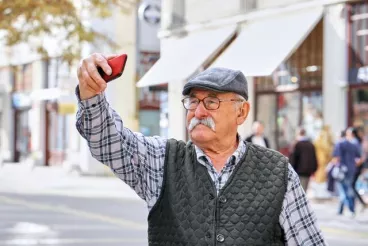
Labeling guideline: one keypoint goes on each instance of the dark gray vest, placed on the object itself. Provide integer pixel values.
(245, 212)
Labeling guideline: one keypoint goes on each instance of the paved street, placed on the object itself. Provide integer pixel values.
(60, 220)
(50, 207)
(342, 230)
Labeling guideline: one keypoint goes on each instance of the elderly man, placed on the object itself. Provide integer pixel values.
(216, 189)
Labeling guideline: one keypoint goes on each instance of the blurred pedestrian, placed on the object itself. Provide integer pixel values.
(215, 189)
(346, 155)
(324, 145)
(257, 136)
(303, 158)
(331, 182)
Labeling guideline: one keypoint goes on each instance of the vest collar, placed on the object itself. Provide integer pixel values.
(233, 159)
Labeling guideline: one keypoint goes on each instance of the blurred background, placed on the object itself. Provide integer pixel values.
(306, 62)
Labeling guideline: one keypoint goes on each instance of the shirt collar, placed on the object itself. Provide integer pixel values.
(236, 156)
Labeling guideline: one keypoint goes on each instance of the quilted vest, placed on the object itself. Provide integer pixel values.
(245, 211)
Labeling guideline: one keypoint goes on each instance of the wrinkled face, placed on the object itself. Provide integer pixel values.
(205, 125)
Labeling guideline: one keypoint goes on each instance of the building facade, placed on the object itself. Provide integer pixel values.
(38, 102)
(358, 65)
(293, 53)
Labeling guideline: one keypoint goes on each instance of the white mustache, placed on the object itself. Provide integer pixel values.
(207, 122)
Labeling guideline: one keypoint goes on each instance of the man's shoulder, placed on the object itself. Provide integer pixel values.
(174, 144)
(267, 152)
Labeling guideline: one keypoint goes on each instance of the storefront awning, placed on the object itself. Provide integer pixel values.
(264, 44)
(182, 57)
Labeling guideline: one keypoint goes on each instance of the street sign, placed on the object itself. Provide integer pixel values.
(150, 13)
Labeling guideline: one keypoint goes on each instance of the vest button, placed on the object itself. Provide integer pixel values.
(220, 238)
(223, 199)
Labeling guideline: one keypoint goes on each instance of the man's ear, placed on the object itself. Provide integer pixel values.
(243, 113)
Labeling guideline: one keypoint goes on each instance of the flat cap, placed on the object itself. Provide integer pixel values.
(219, 79)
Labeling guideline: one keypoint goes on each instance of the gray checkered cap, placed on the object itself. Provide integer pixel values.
(220, 80)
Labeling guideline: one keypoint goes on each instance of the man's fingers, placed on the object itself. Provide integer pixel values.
(88, 82)
(90, 89)
(101, 61)
(96, 76)
(109, 57)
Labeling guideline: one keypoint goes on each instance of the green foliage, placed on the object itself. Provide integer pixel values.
(31, 21)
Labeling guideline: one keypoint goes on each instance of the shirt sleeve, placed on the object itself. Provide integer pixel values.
(297, 219)
(136, 159)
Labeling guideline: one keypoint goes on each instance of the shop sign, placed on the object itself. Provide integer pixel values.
(150, 13)
(67, 108)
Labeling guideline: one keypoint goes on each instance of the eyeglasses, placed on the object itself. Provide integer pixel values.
(210, 103)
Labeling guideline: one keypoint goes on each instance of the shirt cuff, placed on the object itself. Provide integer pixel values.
(93, 104)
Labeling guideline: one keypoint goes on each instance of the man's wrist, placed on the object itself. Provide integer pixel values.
(92, 103)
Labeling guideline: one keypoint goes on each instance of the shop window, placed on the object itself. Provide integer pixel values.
(303, 70)
(358, 65)
(312, 119)
(296, 90)
(359, 112)
(288, 115)
(358, 31)
(23, 78)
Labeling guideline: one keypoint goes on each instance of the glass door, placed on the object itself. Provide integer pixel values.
(312, 117)
(288, 117)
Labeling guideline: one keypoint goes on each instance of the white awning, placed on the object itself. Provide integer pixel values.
(264, 44)
(182, 57)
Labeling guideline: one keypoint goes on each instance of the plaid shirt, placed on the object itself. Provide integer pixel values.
(139, 160)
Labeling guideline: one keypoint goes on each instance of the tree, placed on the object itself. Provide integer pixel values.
(37, 21)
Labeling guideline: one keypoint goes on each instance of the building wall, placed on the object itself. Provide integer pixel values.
(335, 60)
(245, 129)
(206, 10)
(335, 69)
(121, 93)
(38, 124)
(150, 118)
(6, 125)
(125, 98)
(261, 4)
(177, 113)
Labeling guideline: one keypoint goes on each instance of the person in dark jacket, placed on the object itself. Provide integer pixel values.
(303, 158)
(216, 189)
(257, 136)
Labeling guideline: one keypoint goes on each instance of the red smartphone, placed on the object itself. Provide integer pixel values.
(117, 65)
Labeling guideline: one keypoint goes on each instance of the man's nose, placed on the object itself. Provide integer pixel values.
(201, 112)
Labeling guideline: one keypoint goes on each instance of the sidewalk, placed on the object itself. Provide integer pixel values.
(22, 179)
(54, 180)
